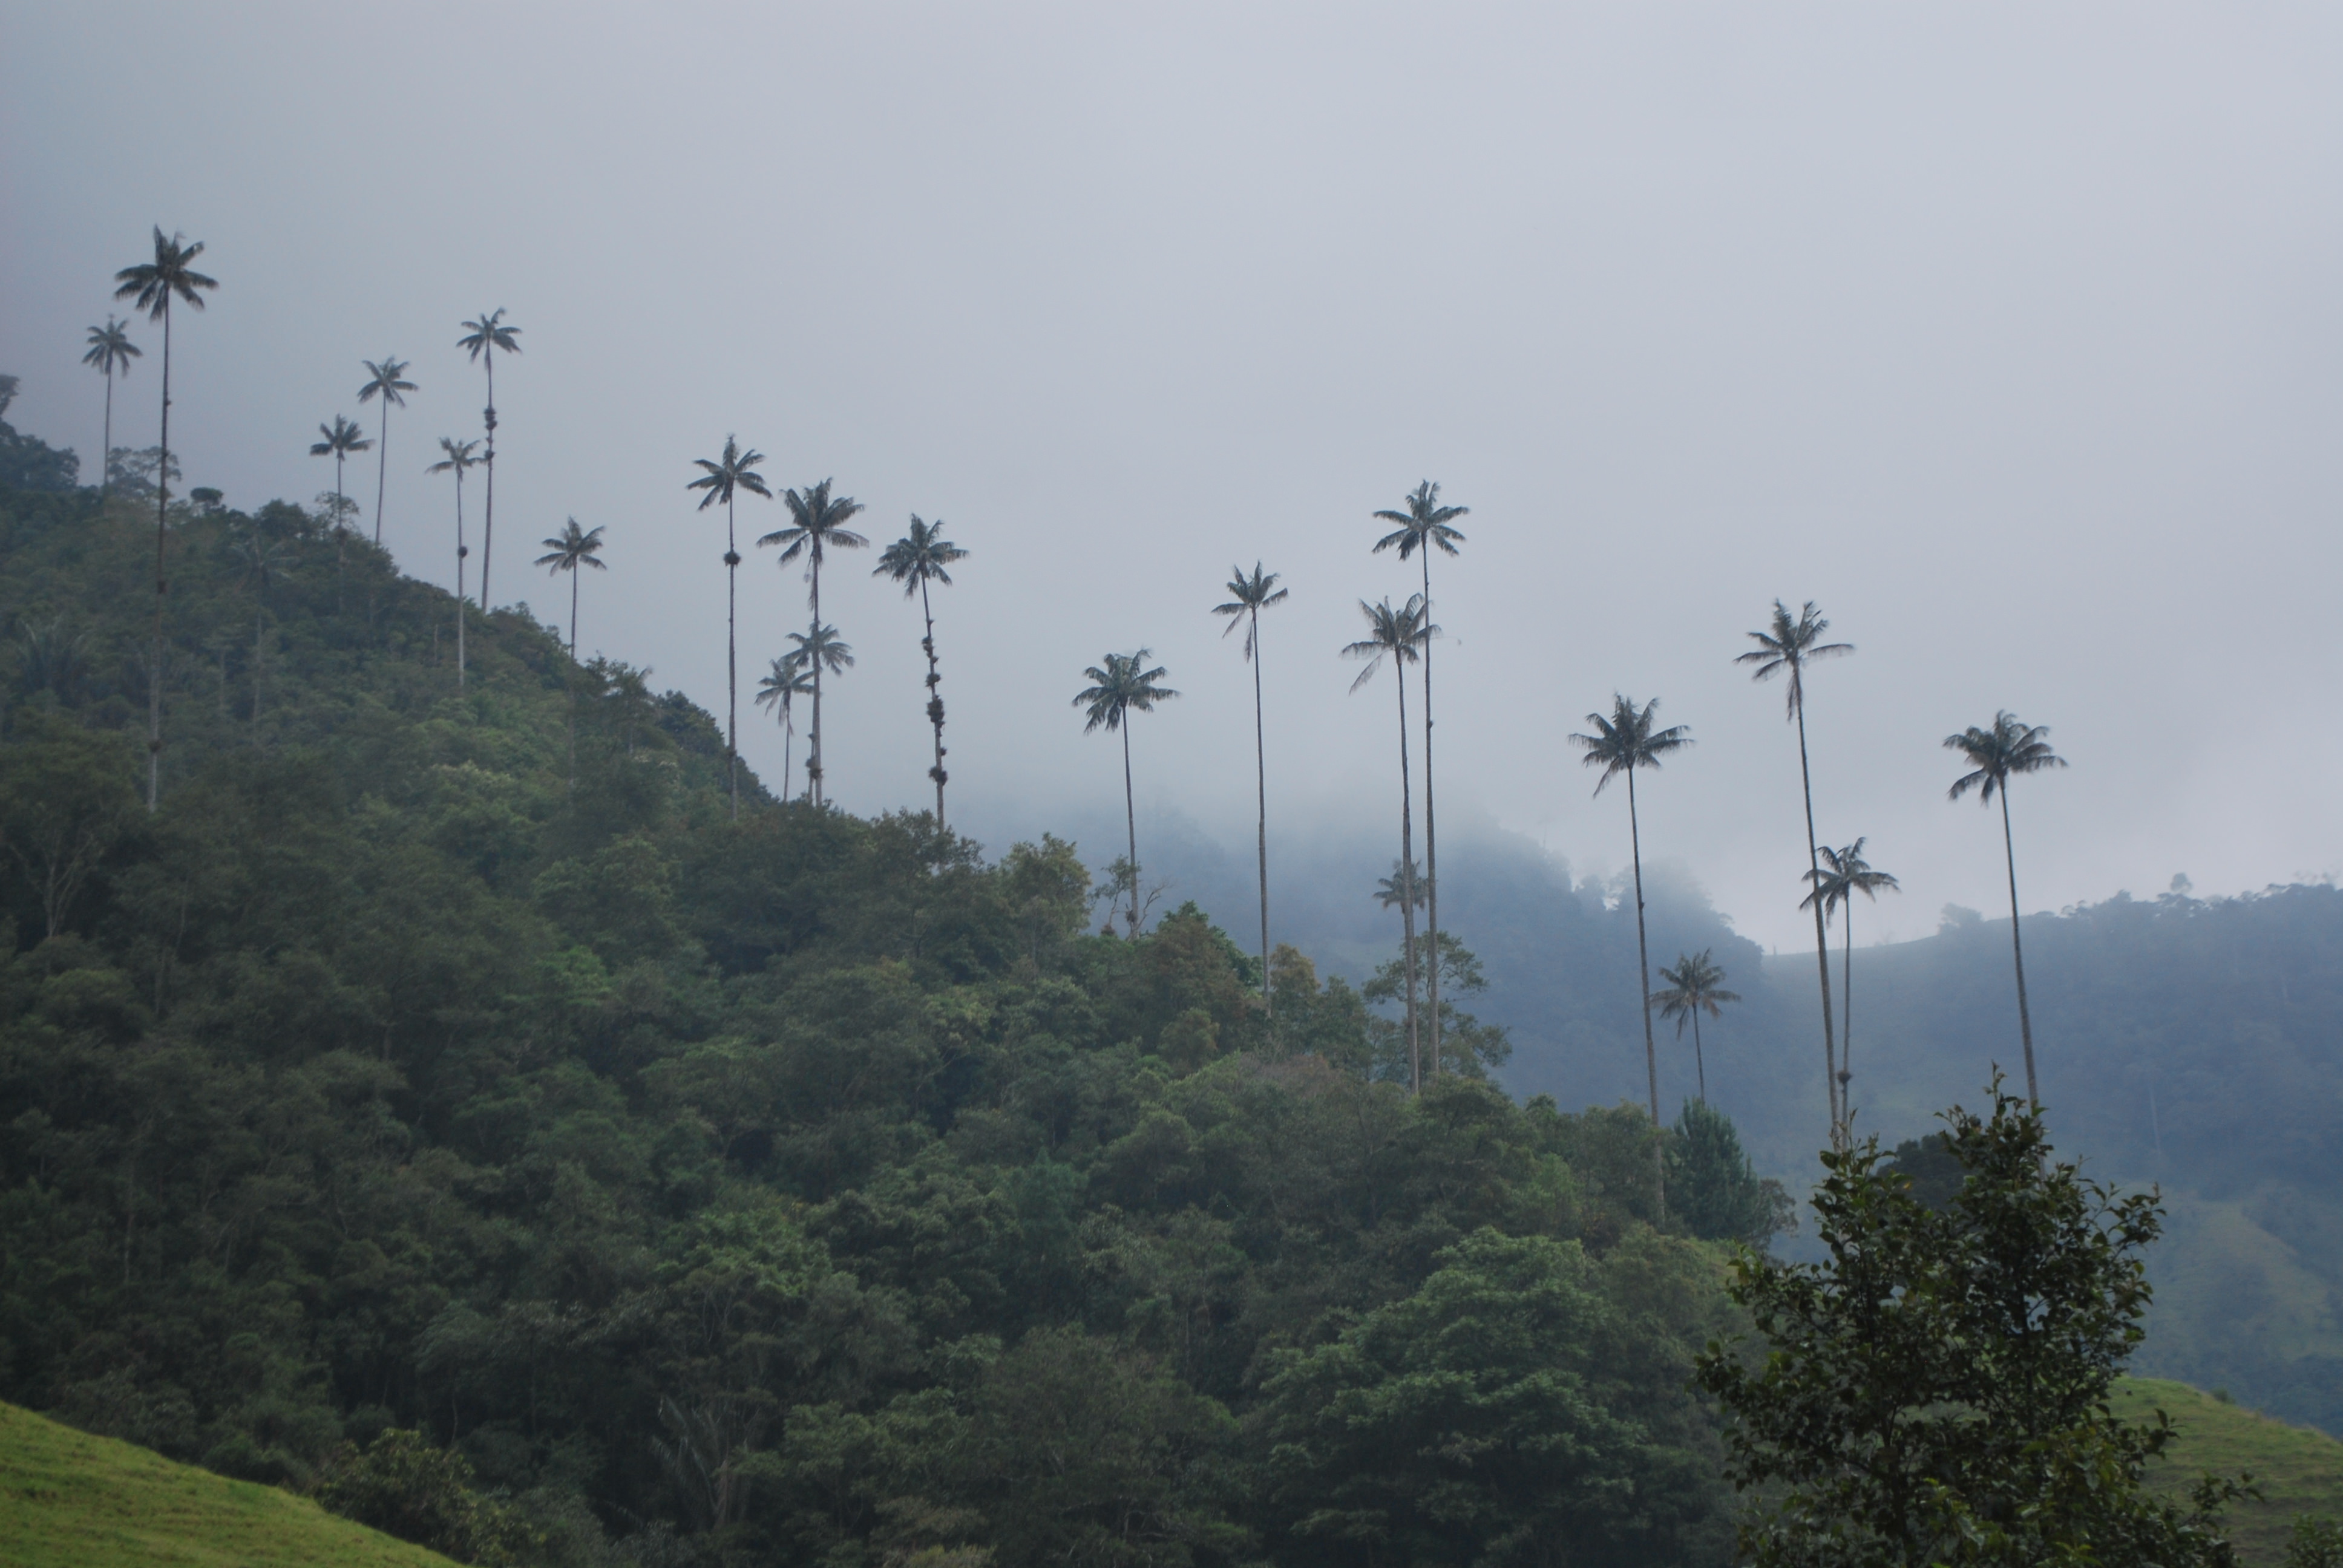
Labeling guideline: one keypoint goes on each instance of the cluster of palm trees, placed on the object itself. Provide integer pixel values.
(1622, 742)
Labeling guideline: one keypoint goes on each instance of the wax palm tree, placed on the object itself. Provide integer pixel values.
(1694, 986)
(261, 561)
(110, 349)
(342, 438)
(1121, 684)
(1621, 743)
(817, 525)
(384, 381)
(565, 551)
(788, 680)
(918, 558)
(482, 340)
(1248, 596)
(459, 457)
(817, 651)
(1786, 648)
(1842, 874)
(1998, 755)
(723, 478)
(1425, 526)
(1400, 635)
(152, 286)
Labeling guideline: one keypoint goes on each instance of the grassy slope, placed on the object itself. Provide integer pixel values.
(68, 1500)
(2298, 1470)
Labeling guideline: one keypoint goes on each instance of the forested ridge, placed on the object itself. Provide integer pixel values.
(449, 1062)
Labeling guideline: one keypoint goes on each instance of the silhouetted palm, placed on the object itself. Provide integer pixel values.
(565, 551)
(1423, 526)
(1787, 646)
(483, 339)
(1249, 595)
(153, 286)
(818, 650)
(1842, 874)
(915, 560)
(1621, 743)
(110, 349)
(1400, 635)
(722, 478)
(458, 459)
(1694, 987)
(384, 381)
(1119, 686)
(817, 525)
(1997, 754)
(787, 681)
(341, 438)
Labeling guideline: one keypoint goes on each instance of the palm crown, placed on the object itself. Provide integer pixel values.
(1405, 882)
(487, 334)
(1249, 595)
(385, 380)
(572, 547)
(1120, 685)
(1996, 754)
(458, 458)
(1424, 524)
(110, 348)
(1398, 634)
(817, 522)
(1694, 986)
(787, 680)
(920, 557)
(152, 285)
(1845, 873)
(1787, 645)
(820, 649)
(736, 470)
(1626, 739)
(341, 438)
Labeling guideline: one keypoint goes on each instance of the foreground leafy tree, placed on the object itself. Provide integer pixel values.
(1937, 1392)
(919, 557)
(153, 286)
(1995, 754)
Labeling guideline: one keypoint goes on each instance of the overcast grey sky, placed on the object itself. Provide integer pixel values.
(2008, 332)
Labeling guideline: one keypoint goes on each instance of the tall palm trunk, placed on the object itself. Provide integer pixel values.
(1430, 850)
(339, 533)
(1260, 798)
(1644, 969)
(162, 532)
(461, 551)
(382, 470)
(2017, 950)
(732, 657)
(259, 609)
(935, 701)
(488, 523)
(1130, 817)
(1846, 1020)
(1822, 937)
(789, 734)
(105, 458)
(1700, 1062)
(813, 743)
(1407, 884)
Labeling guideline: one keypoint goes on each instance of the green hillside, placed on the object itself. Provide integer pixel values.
(2298, 1470)
(68, 1500)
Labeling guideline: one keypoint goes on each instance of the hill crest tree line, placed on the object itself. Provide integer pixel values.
(453, 1067)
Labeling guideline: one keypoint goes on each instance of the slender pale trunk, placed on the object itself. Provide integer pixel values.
(488, 523)
(382, 469)
(462, 550)
(813, 743)
(1847, 1019)
(1822, 937)
(789, 734)
(1644, 969)
(731, 655)
(935, 701)
(1407, 883)
(1699, 1062)
(1260, 798)
(1130, 821)
(2017, 950)
(259, 609)
(162, 532)
(569, 678)
(1431, 849)
(105, 458)
(339, 533)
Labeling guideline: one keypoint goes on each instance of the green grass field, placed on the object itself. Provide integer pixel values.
(2298, 1470)
(68, 1500)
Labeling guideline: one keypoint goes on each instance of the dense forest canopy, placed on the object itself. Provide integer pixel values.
(451, 1063)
